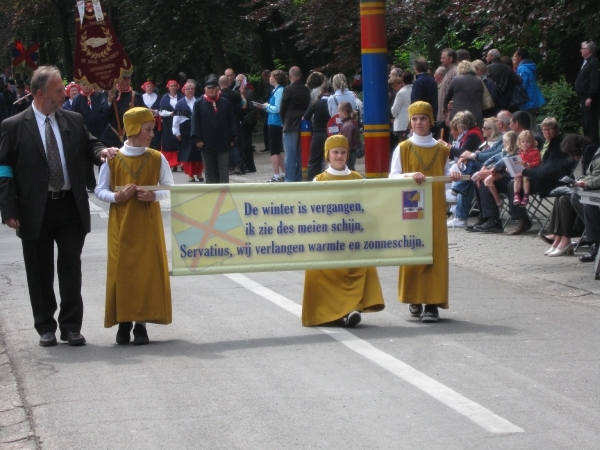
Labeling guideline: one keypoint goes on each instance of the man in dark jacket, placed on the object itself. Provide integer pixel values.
(503, 76)
(586, 86)
(294, 102)
(214, 129)
(424, 88)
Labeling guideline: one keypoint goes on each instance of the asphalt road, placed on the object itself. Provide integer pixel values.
(513, 364)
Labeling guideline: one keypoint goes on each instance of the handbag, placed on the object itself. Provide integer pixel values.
(518, 97)
(487, 102)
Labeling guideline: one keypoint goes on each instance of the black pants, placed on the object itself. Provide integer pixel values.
(246, 147)
(590, 214)
(317, 156)
(61, 224)
(485, 200)
(216, 166)
(589, 120)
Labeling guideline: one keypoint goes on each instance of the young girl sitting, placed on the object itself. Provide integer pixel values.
(509, 148)
(339, 295)
(349, 128)
(137, 280)
(531, 158)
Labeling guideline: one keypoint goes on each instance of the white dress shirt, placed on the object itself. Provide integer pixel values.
(40, 118)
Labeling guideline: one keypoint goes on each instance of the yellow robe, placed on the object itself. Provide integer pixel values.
(137, 282)
(331, 294)
(428, 284)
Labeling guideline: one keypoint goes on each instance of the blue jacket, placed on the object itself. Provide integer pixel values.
(527, 71)
(274, 106)
(425, 89)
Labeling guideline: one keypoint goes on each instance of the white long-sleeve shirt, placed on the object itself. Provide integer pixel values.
(421, 141)
(178, 120)
(103, 191)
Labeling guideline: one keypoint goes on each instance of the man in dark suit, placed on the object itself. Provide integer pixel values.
(42, 195)
(294, 103)
(586, 86)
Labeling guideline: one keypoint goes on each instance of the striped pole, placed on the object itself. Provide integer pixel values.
(373, 31)
(305, 138)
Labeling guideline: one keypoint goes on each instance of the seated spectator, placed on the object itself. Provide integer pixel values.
(564, 214)
(497, 166)
(531, 158)
(470, 138)
(590, 214)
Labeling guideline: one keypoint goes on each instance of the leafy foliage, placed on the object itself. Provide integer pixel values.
(562, 104)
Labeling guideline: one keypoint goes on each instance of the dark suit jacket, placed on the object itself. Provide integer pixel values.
(588, 79)
(24, 196)
(294, 102)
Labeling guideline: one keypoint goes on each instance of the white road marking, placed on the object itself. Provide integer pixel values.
(462, 405)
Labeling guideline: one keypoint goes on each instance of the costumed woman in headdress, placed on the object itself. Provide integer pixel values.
(152, 102)
(169, 143)
(189, 155)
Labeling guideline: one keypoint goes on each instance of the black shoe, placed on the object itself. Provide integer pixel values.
(490, 226)
(430, 314)
(352, 319)
(546, 239)
(523, 226)
(140, 335)
(48, 339)
(73, 338)
(591, 255)
(479, 222)
(123, 333)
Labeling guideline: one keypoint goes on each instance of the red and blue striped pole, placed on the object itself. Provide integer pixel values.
(305, 138)
(373, 31)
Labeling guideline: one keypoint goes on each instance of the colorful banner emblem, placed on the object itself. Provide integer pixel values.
(296, 226)
(99, 57)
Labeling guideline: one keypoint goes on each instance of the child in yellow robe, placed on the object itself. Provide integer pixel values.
(425, 287)
(137, 282)
(339, 295)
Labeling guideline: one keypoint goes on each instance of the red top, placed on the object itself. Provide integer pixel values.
(532, 156)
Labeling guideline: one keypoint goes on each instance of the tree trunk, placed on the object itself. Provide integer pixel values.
(264, 50)
(218, 52)
(65, 16)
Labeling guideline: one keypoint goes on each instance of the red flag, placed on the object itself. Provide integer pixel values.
(99, 57)
(30, 55)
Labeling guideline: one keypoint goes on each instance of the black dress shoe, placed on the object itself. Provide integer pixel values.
(591, 255)
(546, 239)
(48, 339)
(124, 333)
(140, 335)
(73, 338)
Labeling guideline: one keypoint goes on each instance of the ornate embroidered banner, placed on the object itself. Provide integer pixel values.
(99, 57)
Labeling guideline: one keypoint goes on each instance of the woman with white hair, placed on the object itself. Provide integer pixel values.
(466, 92)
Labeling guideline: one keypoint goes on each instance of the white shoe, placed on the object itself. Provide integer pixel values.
(455, 222)
(450, 196)
(550, 250)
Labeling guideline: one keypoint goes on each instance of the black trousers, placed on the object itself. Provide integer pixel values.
(589, 120)
(216, 166)
(485, 200)
(590, 214)
(246, 147)
(61, 224)
(316, 156)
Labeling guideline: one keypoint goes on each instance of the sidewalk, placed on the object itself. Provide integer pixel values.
(519, 259)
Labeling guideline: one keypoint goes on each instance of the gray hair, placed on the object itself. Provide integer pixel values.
(441, 70)
(40, 78)
(495, 53)
(479, 64)
(505, 117)
(590, 45)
